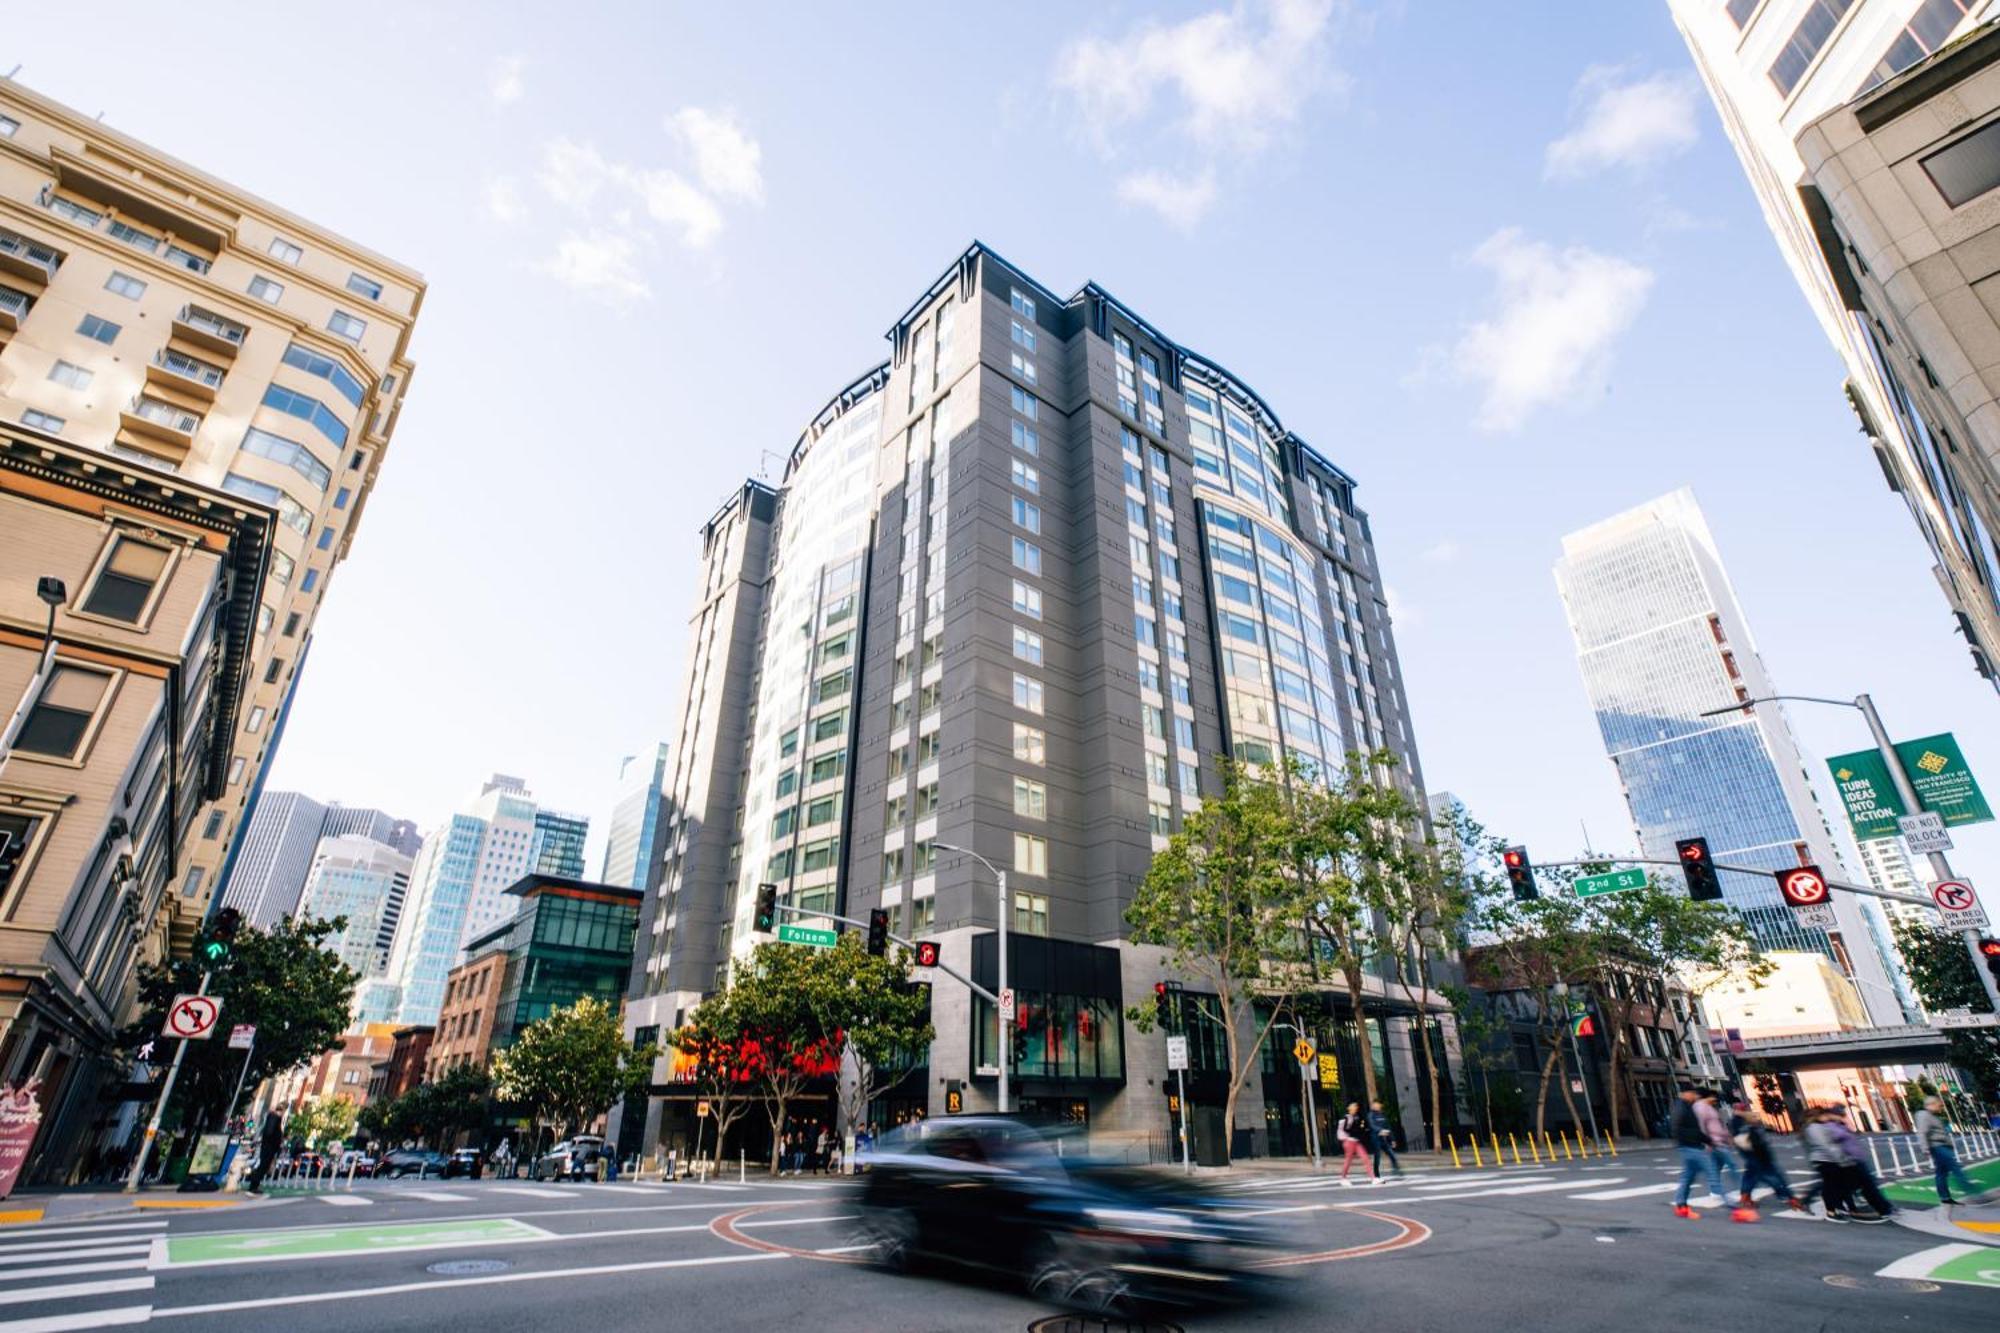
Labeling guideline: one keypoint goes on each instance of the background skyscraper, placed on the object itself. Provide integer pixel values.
(631, 845)
(1660, 640)
(365, 882)
(268, 876)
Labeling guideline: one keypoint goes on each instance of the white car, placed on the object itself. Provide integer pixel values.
(572, 1159)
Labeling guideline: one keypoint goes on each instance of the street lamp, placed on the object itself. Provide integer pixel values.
(53, 594)
(1940, 864)
(999, 1024)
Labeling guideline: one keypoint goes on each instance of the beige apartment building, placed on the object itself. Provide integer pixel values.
(192, 342)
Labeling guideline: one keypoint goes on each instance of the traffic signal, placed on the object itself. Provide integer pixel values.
(1704, 885)
(212, 950)
(1520, 873)
(927, 953)
(227, 922)
(1989, 949)
(1161, 1009)
(766, 919)
(878, 931)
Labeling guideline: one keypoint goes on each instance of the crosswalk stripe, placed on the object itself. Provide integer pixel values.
(626, 1189)
(435, 1196)
(42, 1247)
(64, 1270)
(1632, 1192)
(70, 1290)
(1458, 1184)
(33, 1233)
(534, 1191)
(346, 1200)
(64, 1323)
(144, 1245)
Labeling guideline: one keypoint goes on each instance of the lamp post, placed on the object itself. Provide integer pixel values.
(1905, 792)
(999, 1023)
(53, 594)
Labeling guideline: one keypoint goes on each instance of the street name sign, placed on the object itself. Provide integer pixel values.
(1615, 881)
(1924, 832)
(1958, 1018)
(1958, 904)
(192, 1017)
(1176, 1053)
(813, 935)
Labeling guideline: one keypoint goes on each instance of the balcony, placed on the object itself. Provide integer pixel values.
(14, 307)
(181, 373)
(26, 258)
(205, 328)
(156, 419)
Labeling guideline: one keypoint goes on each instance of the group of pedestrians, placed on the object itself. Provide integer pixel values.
(1738, 1145)
(1367, 1137)
(813, 1149)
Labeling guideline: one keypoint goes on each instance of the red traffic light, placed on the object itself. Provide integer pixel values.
(1515, 857)
(1160, 989)
(927, 953)
(1991, 948)
(1694, 850)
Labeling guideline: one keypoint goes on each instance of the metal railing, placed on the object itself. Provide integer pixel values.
(15, 303)
(165, 414)
(208, 321)
(1897, 1155)
(179, 363)
(13, 243)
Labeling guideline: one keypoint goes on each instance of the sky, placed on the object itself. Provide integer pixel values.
(1496, 261)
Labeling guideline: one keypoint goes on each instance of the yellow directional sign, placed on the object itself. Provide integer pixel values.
(1303, 1052)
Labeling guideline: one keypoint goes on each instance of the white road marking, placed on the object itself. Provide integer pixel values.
(70, 1290)
(1924, 1263)
(1456, 1184)
(1273, 1212)
(33, 1232)
(795, 1221)
(64, 1270)
(40, 1247)
(346, 1200)
(140, 1246)
(436, 1196)
(358, 1293)
(64, 1323)
(1631, 1192)
(844, 1249)
(533, 1191)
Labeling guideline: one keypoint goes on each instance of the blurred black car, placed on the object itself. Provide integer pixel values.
(992, 1193)
(400, 1162)
(465, 1162)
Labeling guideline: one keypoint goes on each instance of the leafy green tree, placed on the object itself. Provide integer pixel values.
(570, 1067)
(329, 1120)
(780, 1001)
(1224, 899)
(1941, 971)
(879, 1022)
(722, 1070)
(283, 980)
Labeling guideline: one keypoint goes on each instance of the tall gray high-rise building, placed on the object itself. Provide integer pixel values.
(269, 874)
(1019, 586)
(1661, 639)
(632, 844)
(364, 882)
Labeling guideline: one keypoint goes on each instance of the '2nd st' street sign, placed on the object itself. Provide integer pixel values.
(1615, 881)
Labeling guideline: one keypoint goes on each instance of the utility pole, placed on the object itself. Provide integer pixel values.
(1940, 863)
(1000, 1033)
(1561, 988)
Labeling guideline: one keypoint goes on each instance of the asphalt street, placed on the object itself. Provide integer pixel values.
(1583, 1246)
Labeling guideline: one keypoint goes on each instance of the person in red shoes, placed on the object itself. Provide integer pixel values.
(1760, 1163)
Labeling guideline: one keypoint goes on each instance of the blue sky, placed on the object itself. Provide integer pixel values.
(1496, 261)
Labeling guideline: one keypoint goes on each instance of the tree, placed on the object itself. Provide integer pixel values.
(777, 1003)
(1941, 971)
(1224, 899)
(284, 981)
(722, 1071)
(879, 1022)
(568, 1068)
(329, 1120)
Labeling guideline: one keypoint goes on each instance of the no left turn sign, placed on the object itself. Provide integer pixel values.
(192, 1017)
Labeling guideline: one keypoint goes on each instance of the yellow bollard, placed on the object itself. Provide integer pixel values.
(1477, 1160)
(1582, 1147)
(1550, 1144)
(1515, 1146)
(1614, 1144)
(1499, 1158)
(1456, 1165)
(1567, 1155)
(1533, 1150)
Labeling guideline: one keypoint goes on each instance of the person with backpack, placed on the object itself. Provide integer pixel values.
(1354, 1138)
(1854, 1172)
(1760, 1163)
(1936, 1136)
(1382, 1140)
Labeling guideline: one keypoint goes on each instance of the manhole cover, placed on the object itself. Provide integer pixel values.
(1905, 1284)
(467, 1267)
(1090, 1323)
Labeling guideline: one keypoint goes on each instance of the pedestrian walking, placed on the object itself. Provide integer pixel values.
(1382, 1140)
(822, 1149)
(1854, 1170)
(1760, 1163)
(1828, 1161)
(1354, 1137)
(1936, 1136)
(1699, 1136)
(268, 1139)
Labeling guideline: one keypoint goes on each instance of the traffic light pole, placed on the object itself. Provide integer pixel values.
(160, 1107)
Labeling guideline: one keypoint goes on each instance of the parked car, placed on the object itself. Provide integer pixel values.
(355, 1160)
(991, 1192)
(400, 1162)
(572, 1159)
(464, 1162)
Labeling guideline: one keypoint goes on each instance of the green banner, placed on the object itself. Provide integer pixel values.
(1936, 769)
(1868, 792)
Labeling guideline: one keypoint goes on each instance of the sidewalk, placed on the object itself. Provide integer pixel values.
(91, 1202)
(1283, 1168)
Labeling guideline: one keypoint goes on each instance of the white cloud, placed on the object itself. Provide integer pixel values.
(1237, 74)
(1620, 123)
(672, 202)
(1557, 315)
(503, 82)
(1181, 200)
(1443, 553)
(1401, 613)
(599, 263)
(729, 162)
(502, 197)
